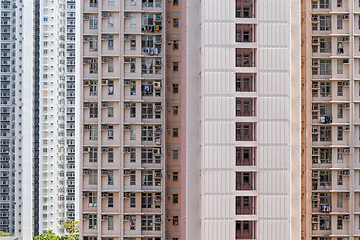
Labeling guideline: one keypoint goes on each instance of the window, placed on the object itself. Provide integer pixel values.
(93, 132)
(110, 222)
(175, 110)
(339, 21)
(132, 222)
(175, 132)
(339, 178)
(340, 152)
(340, 108)
(175, 66)
(340, 133)
(110, 87)
(132, 110)
(133, 88)
(147, 110)
(93, 21)
(146, 155)
(92, 199)
(175, 220)
(175, 176)
(146, 133)
(93, 66)
(175, 2)
(339, 3)
(147, 88)
(132, 132)
(175, 88)
(111, 2)
(132, 155)
(132, 178)
(110, 110)
(110, 20)
(132, 20)
(146, 200)
(110, 132)
(175, 198)
(133, 3)
(325, 67)
(93, 88)
(339, 222)
(92, 221)
(110, 200)
(93, 44)
(110, 44)
(325, 22)
(339, 200)
(147, 42)
(110, 154)
(325, 3)
(146, 178)
(147, 20)
(110, 65)
(340, 66)
(93, 3)
(132, 200)
(325, 133)
(176, 45)
(132, 42)
(93, 110)
(110, 177)
(175, 154)
(175, 22)
(92, 177)
(148, 3)
(93, 154)
(146, 223)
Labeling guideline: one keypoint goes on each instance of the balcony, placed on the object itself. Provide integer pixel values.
(245, 181)
(245, 230)
(245, 57)
(245, 156)
(245, 8)
(245, 131)
(245, 205)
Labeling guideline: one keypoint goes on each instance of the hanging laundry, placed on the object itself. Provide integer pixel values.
(156, 51)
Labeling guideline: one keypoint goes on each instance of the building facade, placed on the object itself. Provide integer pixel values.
(243, 116)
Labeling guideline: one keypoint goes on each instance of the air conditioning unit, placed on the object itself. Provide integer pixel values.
(86, 39)
(85, 194)
(314, 18)
(105, 59)
(86, 16)
(126, 150)
(157, 151)
(315, 129)
(127, 15)
(104, 217)
(346, 217)
(346, 195)
(104, 149)
(346, 61)
(346, 128)
(346, 39)
(158, 61)
(105, 15)
(127, 82)
(315, 174)
(126, 105)
(346, 16)
(85, 60)
(104, 82)
(158, 107)
(86, 149)
(85, 172)
(126, 37)
(157, 198)
(85, 216)
(104, 195)
(158, 220)
(315, 40)
(104, 172)
(126, 194)
(158, 39)
(126, 127)
(315, 107)
(157, 84)
(346, 84)
(315, 63)
(346, 150)
(127, 172)
(86, 83)
(104, 36)
(315, 196)
(346, 106)
(346, 173)
(127, 60)
(104, 127)
(126, 217)
(104, 105)
(158, 175)
(158, 16)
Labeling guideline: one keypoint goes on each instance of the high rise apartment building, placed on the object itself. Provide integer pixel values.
(331, 77)
(38, 180)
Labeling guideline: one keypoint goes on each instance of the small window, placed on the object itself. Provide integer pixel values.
(175, 154)
(175, 132)
(176, 44)
(176, 88)
(175, 198)
(175, 110)
(176, 2)
(175, 176)
(175, 22)
(175, 66)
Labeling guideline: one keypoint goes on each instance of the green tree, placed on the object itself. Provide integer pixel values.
(3, 234)
(72, 228)
(48, 236)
